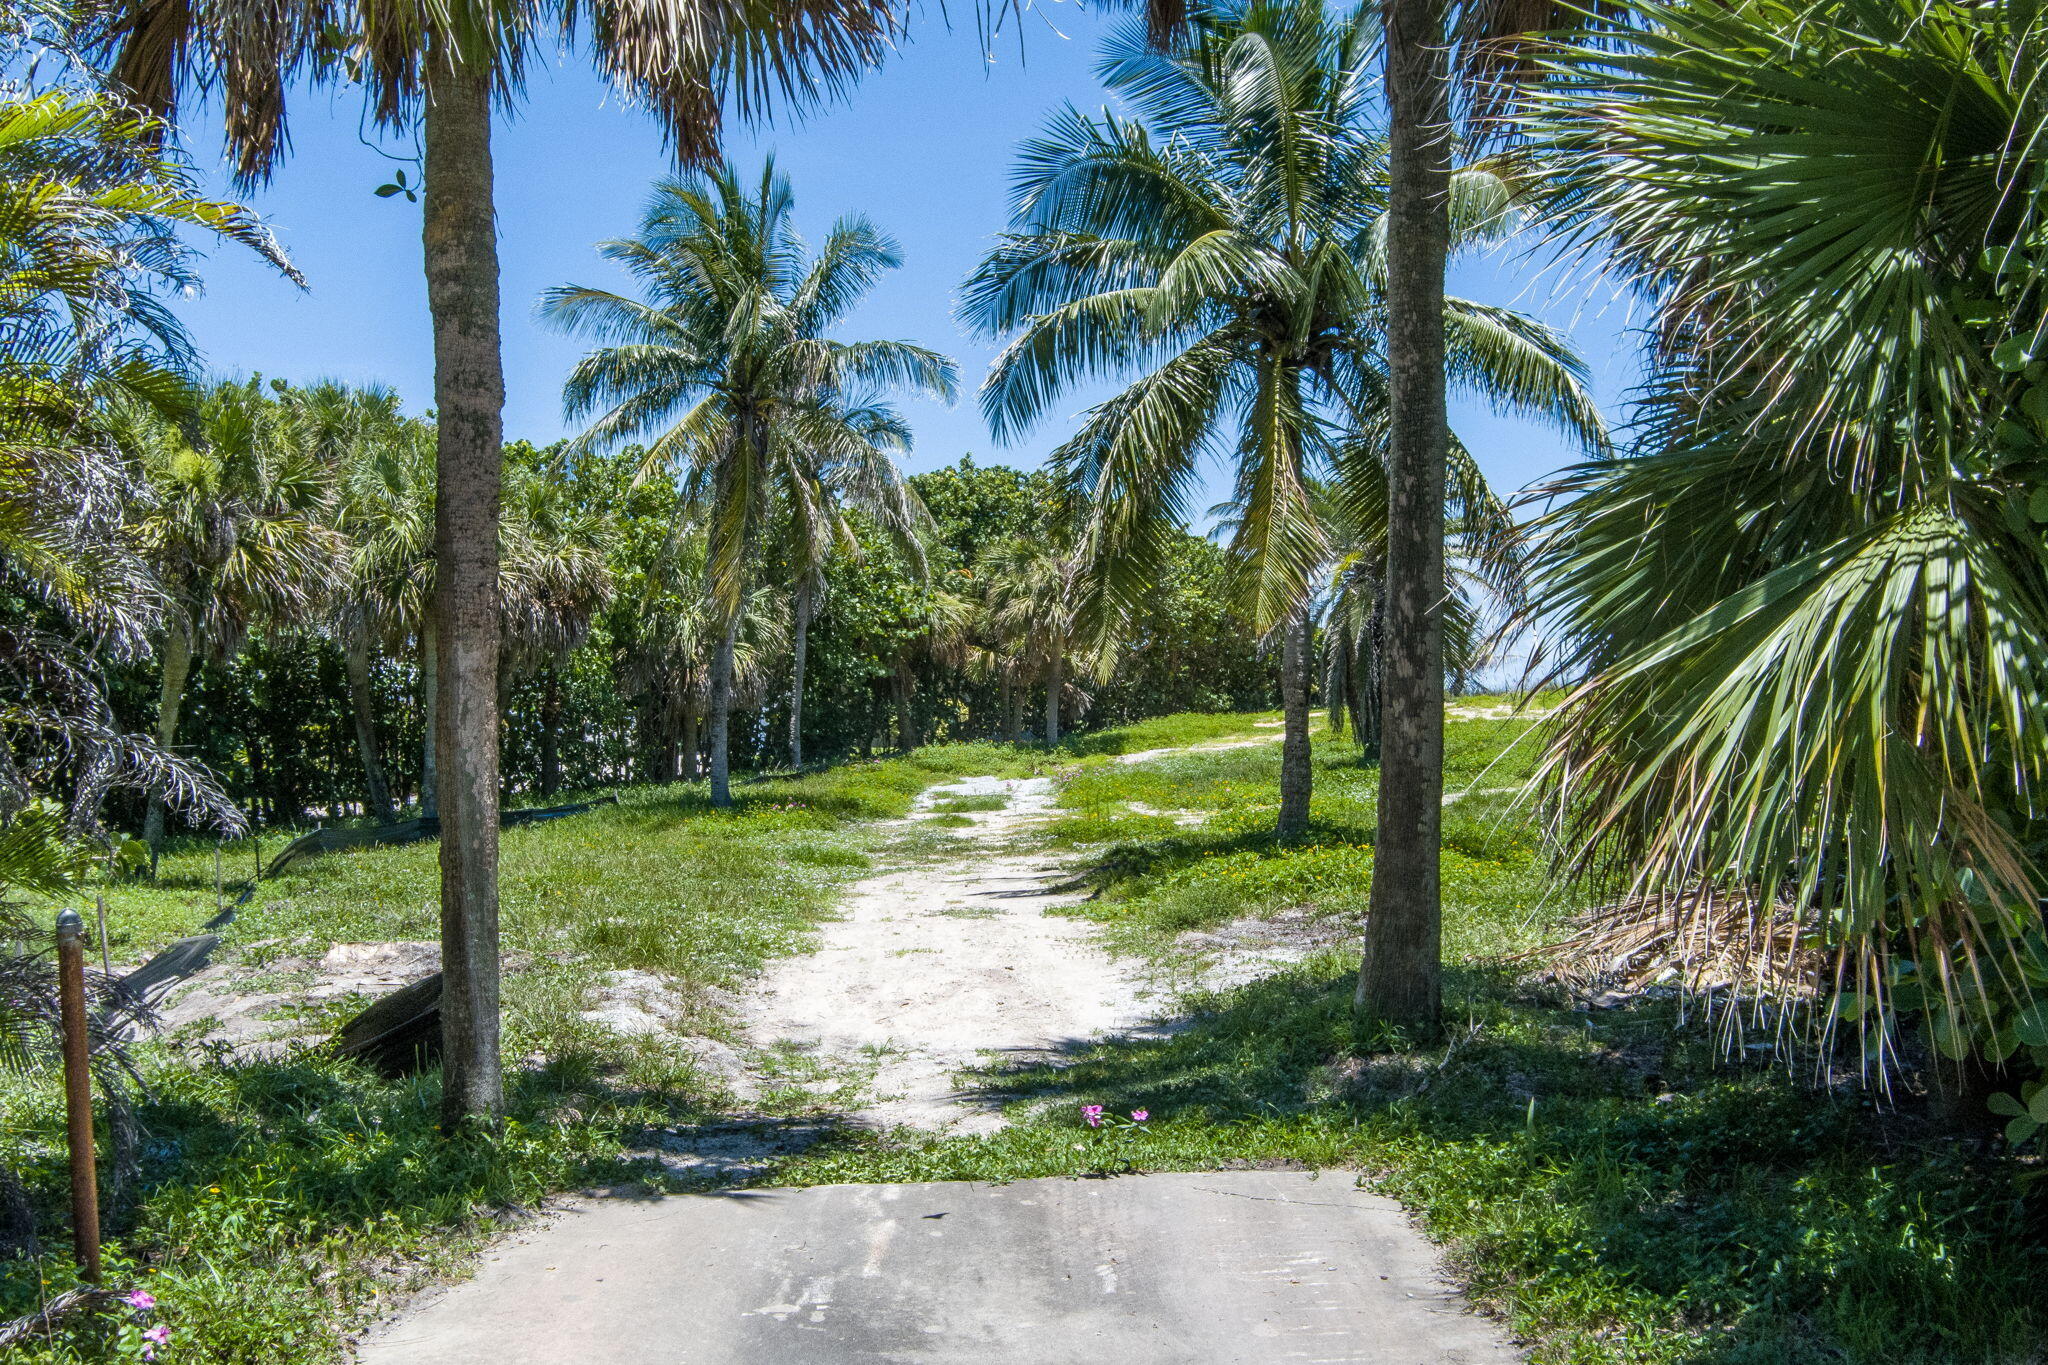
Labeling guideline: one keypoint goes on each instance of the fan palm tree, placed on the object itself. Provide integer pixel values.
(725, 365)
(1809, 607)
(666, 640)
(556, 580)
(236, 530)
(386, 602)
(355, 432)
(1230, 244)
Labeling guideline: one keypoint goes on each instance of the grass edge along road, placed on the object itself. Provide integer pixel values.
(1604, 1179)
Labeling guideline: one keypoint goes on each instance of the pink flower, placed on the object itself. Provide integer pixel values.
(1140, 1115)
(1092, 1113)
(153, 1338)
(141, 1298)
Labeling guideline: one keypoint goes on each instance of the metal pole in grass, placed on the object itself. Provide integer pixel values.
(85, 1195)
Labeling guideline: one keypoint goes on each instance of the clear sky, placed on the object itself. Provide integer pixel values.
(923, 146)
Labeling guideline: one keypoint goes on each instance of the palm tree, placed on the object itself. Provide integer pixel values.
(726, 366)
(665, 644)
(91, 209)
(556, 580)
(1399, 979)
(1809, 607)
(852, 472)
(1230, 246)
(236, 531)
(1033, 598)
(357, 433)
(445, 67)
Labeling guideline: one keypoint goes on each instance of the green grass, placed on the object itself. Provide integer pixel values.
(1607, 1181)
(275, 1197)
(962, 805)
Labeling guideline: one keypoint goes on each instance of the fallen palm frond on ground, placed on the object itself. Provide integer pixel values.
(1697, 942)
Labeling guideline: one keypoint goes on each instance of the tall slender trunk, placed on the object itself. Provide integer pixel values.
(799, 643)
(1055, 680)
(551, 731)
(1400, 978)
(355, 650)
(721, 714)
(1016, 717)
(430, 710)
(1337, 677)
(177, 662)
(906, 733)
(460, 241)
(1297, 777)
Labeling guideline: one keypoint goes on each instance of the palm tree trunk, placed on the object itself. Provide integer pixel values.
(1399, 980)
(1337, 679)
(460, 240)
(551, 731)
(721, 714)
(1296, 775)
(799, 643)
(177, 661)
(355, 650)
(1055, 679)
(430, 709)
(1016, 703)
(906, 736)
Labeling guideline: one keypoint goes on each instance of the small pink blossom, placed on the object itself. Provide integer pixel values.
(141, 1298)
(1092, 1114)
(1140, 1115)
(153, 1338)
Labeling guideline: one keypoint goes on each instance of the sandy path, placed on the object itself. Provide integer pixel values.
(931, 967)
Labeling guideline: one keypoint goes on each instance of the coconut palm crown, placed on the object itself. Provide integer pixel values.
(1226, 246)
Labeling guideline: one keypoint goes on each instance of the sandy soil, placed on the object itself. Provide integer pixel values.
(933, 968)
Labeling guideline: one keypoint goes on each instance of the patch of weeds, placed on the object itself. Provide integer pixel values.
(949, 822)
(965, 805)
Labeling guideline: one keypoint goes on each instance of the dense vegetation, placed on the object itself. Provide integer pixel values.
(1795, 599)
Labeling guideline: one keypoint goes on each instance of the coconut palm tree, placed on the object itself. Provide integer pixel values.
(665, 640)
(1229, 245)
(445, 67)
(726, 368)
(1425, 42)
(853, 471)
(236, 530)
(1809, 607)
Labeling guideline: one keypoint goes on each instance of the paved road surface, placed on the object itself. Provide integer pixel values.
(1239, 1267)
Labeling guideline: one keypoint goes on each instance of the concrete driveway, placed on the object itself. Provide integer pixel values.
(1246, 1266)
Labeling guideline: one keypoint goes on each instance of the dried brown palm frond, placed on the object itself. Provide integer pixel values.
(1694, 942)
(1757, 975)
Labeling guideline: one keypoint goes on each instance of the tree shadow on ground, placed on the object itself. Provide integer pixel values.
(1610, 1174)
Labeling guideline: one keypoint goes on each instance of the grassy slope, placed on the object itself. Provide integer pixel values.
(1606, 1180)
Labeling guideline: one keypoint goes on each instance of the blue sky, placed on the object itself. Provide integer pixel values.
(923, 146)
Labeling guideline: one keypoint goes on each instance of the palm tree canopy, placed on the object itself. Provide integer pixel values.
(1226, 245)
(725, 367)
(682, 59)
(1810, 606)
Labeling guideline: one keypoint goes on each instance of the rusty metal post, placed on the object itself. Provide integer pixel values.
(85, 1190)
